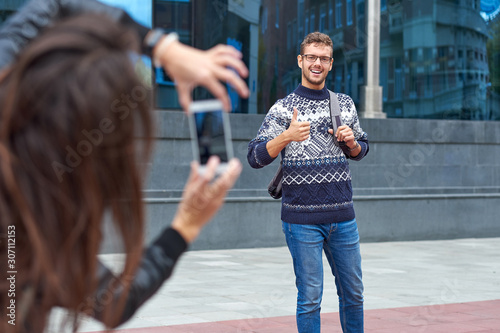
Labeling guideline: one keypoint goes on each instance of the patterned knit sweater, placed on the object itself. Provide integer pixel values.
(316, 178)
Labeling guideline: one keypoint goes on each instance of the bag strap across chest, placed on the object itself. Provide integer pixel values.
(335, 113)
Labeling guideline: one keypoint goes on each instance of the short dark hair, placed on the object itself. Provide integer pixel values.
(316, 38)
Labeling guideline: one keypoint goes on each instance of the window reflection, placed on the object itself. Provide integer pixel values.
(432, 65)
(171, 15)
(438, 58)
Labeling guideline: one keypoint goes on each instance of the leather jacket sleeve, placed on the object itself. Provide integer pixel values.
(156, 266)
(26, 24)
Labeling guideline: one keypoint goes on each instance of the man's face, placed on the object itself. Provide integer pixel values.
(314, 73)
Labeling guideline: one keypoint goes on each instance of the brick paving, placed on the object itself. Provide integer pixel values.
(478, 317)
(450, 286)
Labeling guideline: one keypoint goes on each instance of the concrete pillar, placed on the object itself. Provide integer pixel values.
(371, 93)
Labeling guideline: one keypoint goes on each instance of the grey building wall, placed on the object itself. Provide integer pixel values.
(422, 179)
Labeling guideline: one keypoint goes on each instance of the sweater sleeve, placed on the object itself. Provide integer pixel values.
(27, 23)
(352, 120)
(155, 267)
(276, 122)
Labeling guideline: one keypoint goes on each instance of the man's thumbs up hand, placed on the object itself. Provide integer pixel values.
(298, 130)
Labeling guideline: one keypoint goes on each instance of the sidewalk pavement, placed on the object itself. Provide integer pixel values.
(450, 286)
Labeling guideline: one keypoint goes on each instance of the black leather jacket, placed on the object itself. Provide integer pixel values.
(159, 258)
(156, 266)
(26, 24)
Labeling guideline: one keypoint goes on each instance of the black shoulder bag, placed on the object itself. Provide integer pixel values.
(274, 187)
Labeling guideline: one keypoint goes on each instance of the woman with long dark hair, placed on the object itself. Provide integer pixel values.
(67, 159)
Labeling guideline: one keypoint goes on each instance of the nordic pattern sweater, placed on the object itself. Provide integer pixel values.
(316, 178)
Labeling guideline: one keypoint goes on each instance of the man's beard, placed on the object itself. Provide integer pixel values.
(309, 78)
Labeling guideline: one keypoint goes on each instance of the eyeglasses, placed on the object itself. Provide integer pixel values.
(312, 58)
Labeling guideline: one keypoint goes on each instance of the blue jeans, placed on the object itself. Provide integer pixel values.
(340, 241)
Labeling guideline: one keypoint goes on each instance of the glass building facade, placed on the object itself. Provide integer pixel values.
(439, 59)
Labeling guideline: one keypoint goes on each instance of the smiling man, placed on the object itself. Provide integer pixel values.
(317, 210)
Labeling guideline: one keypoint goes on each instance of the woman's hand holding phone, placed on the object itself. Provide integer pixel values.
(204, 196)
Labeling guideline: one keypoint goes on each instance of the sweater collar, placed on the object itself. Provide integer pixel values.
(312, 93)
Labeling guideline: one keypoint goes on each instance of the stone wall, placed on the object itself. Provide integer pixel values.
(422, 179)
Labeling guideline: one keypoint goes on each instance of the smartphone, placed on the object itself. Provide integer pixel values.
(210, 133)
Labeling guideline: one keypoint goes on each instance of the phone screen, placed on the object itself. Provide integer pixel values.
(211, 135)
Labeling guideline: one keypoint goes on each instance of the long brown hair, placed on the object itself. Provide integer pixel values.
(72, 109)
